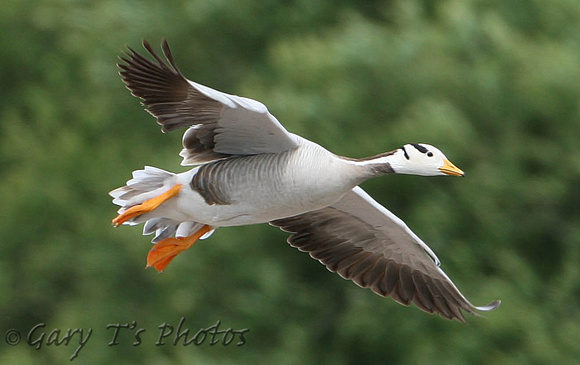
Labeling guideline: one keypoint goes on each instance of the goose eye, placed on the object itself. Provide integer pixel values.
(430, 154)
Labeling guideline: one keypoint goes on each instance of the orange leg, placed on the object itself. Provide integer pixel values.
(147, 206)
(163, 252)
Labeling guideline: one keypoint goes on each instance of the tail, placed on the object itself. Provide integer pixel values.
(147, 184)
(144, 185)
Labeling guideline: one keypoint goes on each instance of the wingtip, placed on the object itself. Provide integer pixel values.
(491, 306)
(146, 44)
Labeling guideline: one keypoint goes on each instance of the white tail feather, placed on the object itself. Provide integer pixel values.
(141, 187)
(147, 184)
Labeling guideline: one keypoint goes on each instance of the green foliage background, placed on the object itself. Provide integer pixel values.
(494, 83)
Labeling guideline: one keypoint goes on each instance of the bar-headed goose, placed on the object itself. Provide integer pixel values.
(249, 169)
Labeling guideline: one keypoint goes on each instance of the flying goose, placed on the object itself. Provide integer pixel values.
(249, 169)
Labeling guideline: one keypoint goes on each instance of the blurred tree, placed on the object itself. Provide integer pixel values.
(495, 84)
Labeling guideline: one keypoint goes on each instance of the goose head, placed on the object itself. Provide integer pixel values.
(422, 159)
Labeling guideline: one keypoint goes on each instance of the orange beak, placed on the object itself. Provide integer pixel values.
(450, 169)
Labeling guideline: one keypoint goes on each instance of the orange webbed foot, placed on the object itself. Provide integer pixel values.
(165, 251)
(147, 206)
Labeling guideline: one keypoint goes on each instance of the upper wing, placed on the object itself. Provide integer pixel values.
(220, 124)
(362, 241)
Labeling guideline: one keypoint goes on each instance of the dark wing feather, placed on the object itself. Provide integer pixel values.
(362, 241)
(220, 124)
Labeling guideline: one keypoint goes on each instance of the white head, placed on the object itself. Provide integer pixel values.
(422, 159)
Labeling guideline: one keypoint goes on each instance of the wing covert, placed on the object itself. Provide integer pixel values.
(220, 124)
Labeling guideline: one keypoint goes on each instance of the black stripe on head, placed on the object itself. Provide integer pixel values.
(405, 152)
(419, 147)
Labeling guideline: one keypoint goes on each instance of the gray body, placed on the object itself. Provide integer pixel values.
(261, 188)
